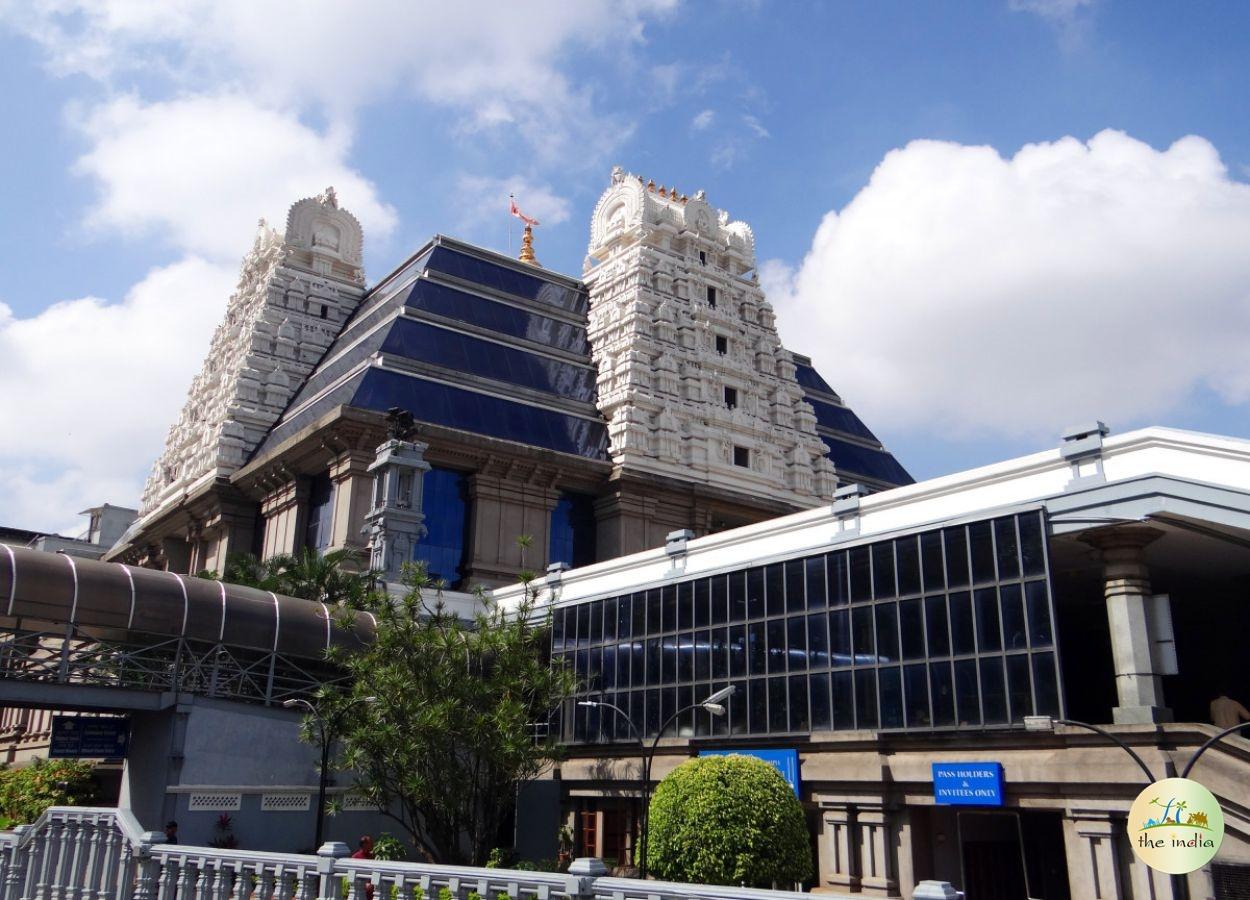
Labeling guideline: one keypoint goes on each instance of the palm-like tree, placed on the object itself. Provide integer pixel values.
(333, 577)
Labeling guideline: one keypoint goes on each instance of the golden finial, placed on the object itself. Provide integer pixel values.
(663, 191)
(527, 247)
(651, 185)
(684, 198)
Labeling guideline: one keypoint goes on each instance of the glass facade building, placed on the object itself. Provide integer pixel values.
(942, 629)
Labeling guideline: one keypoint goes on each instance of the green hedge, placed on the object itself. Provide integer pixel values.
(727, 820)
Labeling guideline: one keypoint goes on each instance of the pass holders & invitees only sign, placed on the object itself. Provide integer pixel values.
(968, 783)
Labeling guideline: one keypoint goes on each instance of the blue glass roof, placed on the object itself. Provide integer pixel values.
(839, 418)
(449, 333)
(854, 459)
(844, 433)
(441, 300)
(809, 379)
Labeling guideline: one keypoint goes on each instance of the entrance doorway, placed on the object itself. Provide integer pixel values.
(1012, 855)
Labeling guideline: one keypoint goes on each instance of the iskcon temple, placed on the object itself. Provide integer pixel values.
(594, 416)
(966, 681)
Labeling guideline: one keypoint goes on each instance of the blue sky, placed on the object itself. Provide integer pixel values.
(976, 216)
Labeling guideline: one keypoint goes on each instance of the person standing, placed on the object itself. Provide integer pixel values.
(364, 850)
(1227, 712)
(171, 832)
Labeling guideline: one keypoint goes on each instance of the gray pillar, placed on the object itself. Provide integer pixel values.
(1126, 587)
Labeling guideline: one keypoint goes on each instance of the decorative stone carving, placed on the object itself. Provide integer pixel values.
(295, 292)
(394, 523)
(666, 279)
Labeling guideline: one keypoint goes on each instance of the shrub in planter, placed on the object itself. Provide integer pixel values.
(727, 820)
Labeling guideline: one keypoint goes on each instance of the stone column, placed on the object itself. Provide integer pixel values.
(286, 514)
(838, 850)
(1093, 860)
(1126, 586)
(876, 860)
(353, 490)
(503, 509)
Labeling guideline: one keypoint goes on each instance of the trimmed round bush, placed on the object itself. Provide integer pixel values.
(727, 820)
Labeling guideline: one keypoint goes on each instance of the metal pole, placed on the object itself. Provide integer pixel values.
(646, 786)
(1150, 778)
(321, 787)
(648, 756)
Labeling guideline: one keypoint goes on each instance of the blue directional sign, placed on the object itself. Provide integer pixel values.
(968, 784)
(784, 761)
(89, 737)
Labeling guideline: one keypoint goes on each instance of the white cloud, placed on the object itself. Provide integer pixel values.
(99, 383)
(1055, 10)
(503, 63)
(703, 120)
(199, 171)
(757, 128)
(963, 293)
(1070, 18)
(484, 199)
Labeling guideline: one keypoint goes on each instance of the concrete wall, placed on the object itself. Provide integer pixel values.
(235, 753)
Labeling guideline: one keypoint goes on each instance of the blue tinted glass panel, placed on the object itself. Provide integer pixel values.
(463, 353)
(950, 657)
(454, 407)
(852, 459)
(450, 303)
(839, 418)
(445, 504)
(507, 280)
(573, 530)
(809, 378)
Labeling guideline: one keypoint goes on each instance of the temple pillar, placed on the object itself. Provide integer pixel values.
(353, 491)
(285, 510)
(1126, 587)
(503, 510)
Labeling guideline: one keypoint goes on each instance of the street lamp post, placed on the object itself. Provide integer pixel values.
(325, 733)
(1048, 723)
(1180, 885)
(1203, 749)
(712, 703)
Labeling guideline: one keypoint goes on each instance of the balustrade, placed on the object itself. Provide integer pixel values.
(75, 853)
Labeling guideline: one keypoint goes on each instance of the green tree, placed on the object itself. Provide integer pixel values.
(727, 820)
(333, 577)
(437, 723)
(28, 791)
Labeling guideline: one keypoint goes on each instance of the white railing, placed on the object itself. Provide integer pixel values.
(81, 853)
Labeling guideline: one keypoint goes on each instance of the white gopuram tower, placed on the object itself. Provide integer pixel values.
(693, 379)
(295, 292)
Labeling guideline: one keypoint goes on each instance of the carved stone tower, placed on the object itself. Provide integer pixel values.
(295, 292)
(692, 378)
(394, 521)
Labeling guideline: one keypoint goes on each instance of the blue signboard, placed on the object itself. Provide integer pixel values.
(784, 761)
(88, 737)
(968, 784)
